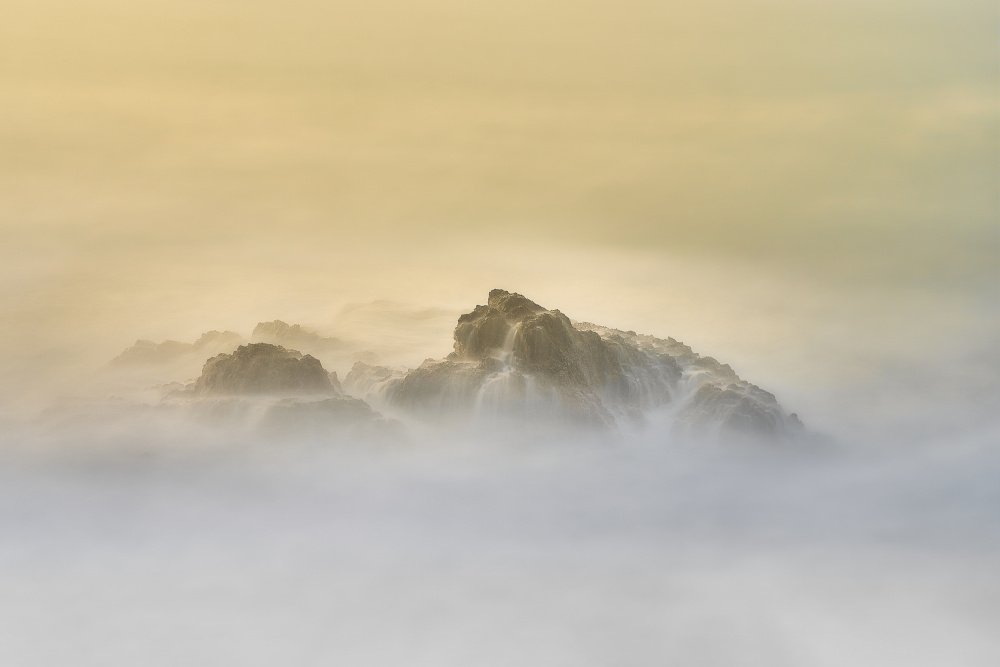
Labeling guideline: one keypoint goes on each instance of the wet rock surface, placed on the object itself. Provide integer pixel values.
(512, 360)
(513, 356)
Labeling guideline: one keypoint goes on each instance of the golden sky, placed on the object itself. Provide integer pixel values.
(158, 160)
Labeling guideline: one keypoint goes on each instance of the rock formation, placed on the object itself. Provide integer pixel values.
(513, 361)
(513, 357)
(279, 392)
(146, 352)
(293, 336)
(710, 396)
(262, 368)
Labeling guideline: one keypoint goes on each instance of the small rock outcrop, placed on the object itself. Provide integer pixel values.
(294, 336)
(262, 368)
(146, 352)
(276, 394)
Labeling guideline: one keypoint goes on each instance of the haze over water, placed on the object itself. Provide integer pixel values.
(806, 191)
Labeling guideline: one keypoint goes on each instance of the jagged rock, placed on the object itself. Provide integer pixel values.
(513, 356)
(710, 396)
(262, 368)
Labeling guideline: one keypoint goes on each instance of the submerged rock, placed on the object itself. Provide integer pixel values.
(336, 417)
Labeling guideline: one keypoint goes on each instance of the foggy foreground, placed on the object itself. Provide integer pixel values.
(147, 529)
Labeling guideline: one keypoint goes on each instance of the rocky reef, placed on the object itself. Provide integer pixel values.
(513, 357)
(513, 362)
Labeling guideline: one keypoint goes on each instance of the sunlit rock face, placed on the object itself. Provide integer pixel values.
(262, 368)
(513, 357)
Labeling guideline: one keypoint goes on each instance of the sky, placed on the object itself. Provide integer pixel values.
(749, 177)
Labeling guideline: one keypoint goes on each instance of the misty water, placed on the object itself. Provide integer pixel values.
(134, 535)
(805, 191)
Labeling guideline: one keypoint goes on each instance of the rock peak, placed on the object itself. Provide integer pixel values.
(512, 304)
(513, 357)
